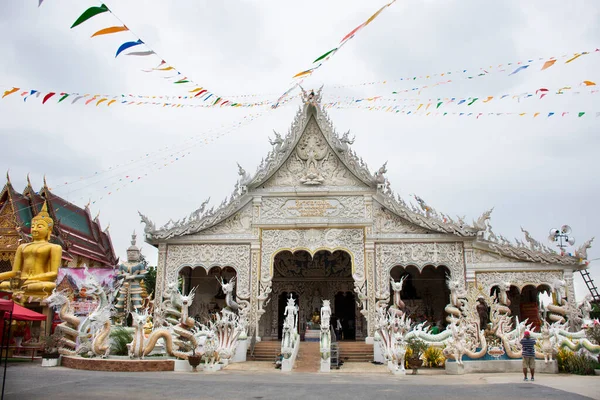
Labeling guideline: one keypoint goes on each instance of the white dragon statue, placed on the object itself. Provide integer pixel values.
(69, 328)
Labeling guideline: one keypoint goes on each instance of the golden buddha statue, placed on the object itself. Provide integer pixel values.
(36, 264)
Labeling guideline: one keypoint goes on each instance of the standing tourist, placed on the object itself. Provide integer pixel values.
(528, 344)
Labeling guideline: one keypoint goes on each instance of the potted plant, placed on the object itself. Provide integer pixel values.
(194, 361)
(417, 347)
(50, 352)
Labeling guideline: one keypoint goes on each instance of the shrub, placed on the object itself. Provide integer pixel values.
(575, 363)
(120, 338)
(434, 357)
(417, 347)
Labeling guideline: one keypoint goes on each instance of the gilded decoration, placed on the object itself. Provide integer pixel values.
(313, 162)
(209, 255)
(312, 240)
(282, 208)
(420, 255)
(520, 279)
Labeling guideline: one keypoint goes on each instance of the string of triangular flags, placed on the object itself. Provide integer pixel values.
(123, 99)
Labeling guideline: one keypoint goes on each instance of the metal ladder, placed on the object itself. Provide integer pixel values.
(590, 284)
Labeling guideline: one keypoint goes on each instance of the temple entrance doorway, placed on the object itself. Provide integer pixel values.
(424, 293)
(209, 298)
(325, 276)
(345, 312)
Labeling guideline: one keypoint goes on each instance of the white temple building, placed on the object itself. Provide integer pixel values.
(313, 221)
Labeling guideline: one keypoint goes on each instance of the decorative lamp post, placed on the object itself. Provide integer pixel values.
(562, 237)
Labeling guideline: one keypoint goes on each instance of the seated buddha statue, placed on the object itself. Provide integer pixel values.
(316, 318)
(36, 264)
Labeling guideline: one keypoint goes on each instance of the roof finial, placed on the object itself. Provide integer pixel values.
(106, 229)
(45, 184)
(97, 216)
(28, 180)
(8, 176)
(88, 203)
(133, 237)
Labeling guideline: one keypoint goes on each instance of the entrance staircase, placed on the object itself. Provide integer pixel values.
(265, 351)
(356, 352)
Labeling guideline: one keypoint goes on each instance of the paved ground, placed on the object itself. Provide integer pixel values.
(30, 381)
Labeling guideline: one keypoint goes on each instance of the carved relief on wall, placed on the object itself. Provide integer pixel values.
(209, 255)
(417, 254)
(240, 222)
(384, 221)
(520, 279)
(313, 163)
(279, 208)
(312, 240)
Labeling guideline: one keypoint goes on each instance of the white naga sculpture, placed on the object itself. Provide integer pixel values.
(69, 328)
(142, 346)
(361, 293)
(398, 305)
(585, 307)
(457, 298)
(558, 310)
(392, 330)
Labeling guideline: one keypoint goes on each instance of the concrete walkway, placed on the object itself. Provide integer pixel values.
(30, 381)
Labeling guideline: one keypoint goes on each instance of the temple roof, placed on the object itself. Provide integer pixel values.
(74, 228)
(312, 140)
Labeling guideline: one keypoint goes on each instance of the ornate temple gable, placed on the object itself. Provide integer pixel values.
(520, 279)
(312, 154)
(385, 221)
(420, 255)
(534, 253)
(344, 209)
(210, 255)
(488, 257)
(240, 222)
(200, 219)
(313, 162)
(428, 218)
(351, 240)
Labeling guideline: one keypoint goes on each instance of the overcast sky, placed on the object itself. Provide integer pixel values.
(538, 173)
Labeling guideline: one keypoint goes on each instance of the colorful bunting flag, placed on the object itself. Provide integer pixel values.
(89, 13)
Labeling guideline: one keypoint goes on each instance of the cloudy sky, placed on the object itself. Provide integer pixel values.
(538, 173)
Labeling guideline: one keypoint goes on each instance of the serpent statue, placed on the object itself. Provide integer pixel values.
(142, 346)
(100, 322)
(68, 329)
(457, 299)
(558, 310)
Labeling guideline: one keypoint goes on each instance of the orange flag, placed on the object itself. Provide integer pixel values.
(589, 83)
(548, 64)
(112, 29)
(9, 92)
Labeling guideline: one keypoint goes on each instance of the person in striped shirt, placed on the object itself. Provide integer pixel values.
(528, 344)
